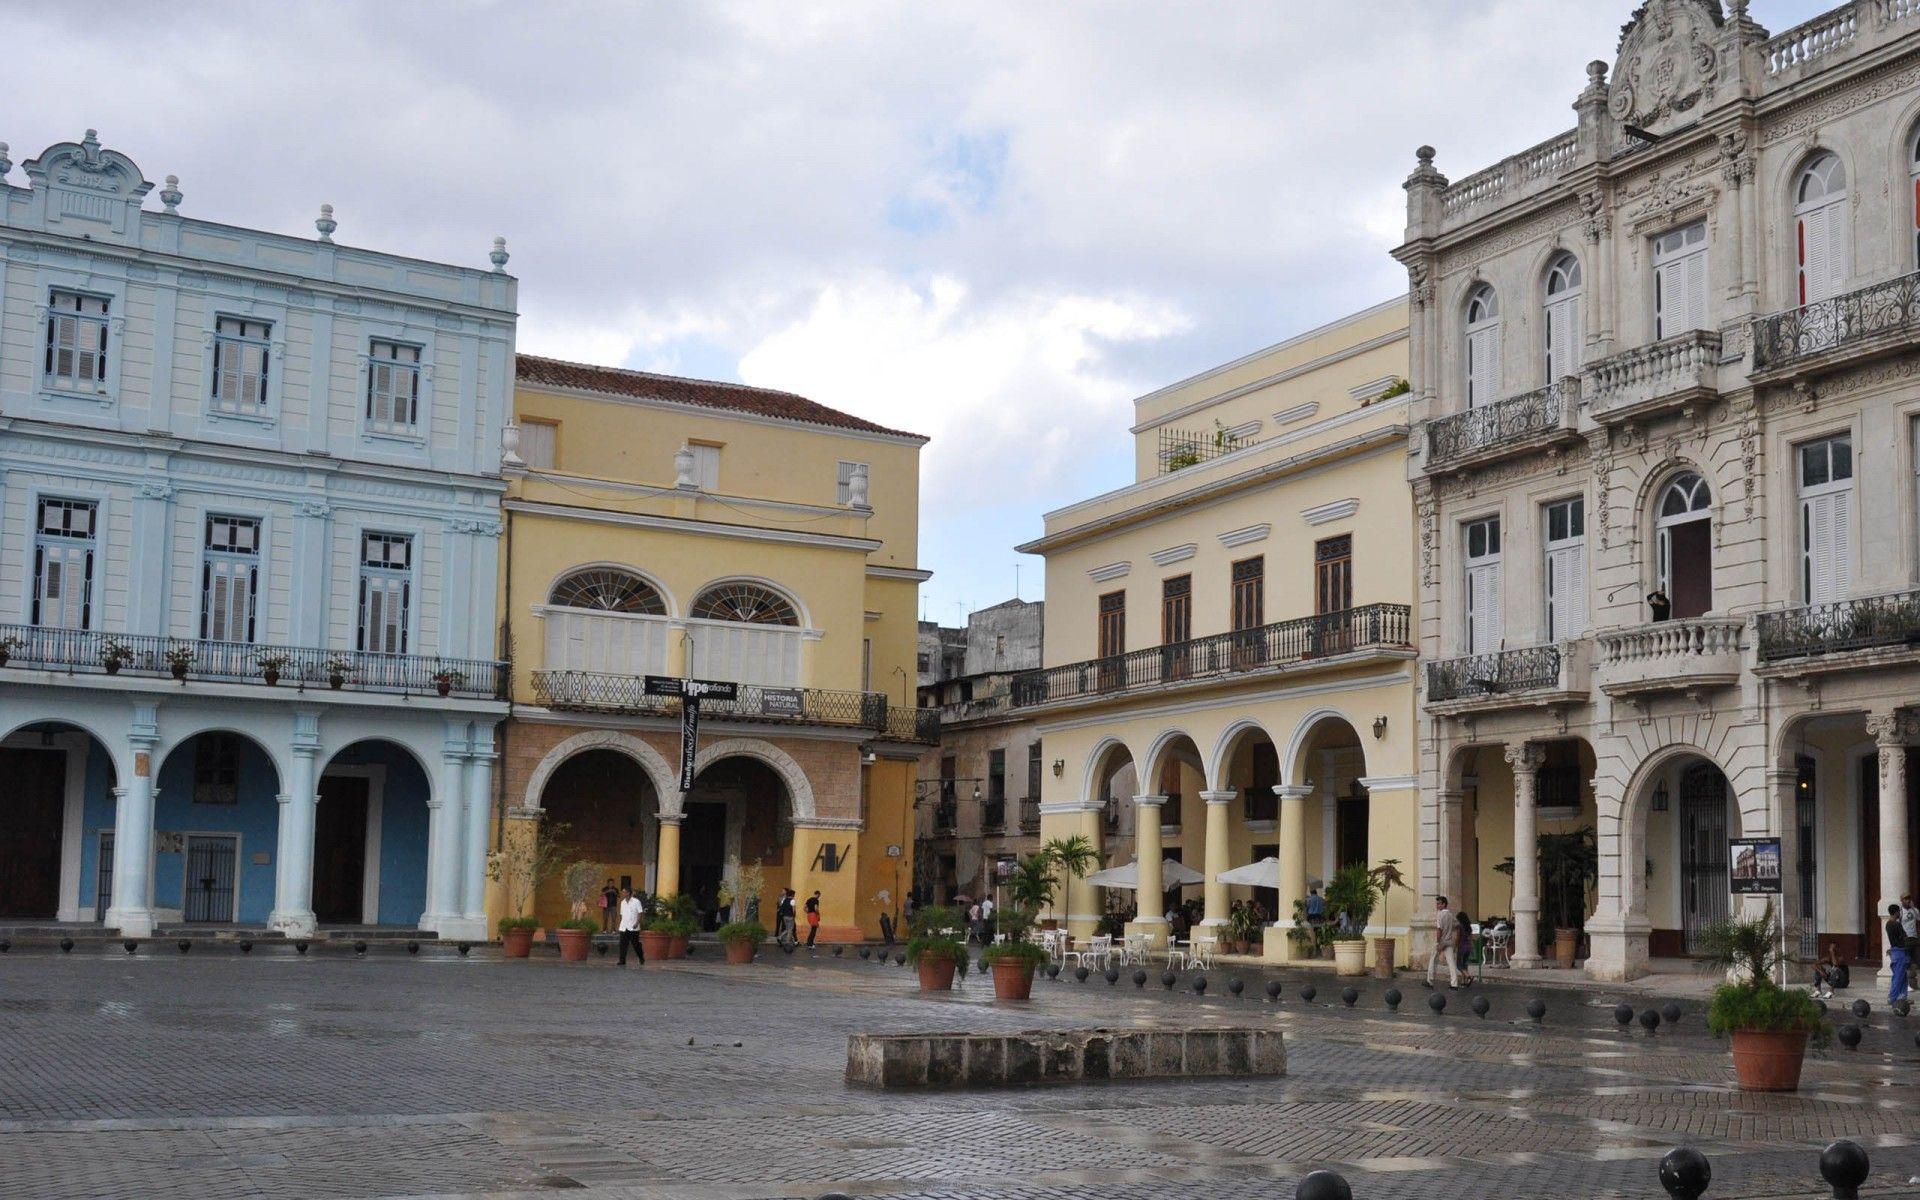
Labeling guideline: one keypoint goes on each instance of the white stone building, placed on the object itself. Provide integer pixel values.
(1673, 351)
(249, 508)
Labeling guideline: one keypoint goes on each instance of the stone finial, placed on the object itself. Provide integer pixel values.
(1737, 10)
(857, 487)
(326, 224)
(499, 255)
(170, 196)
(683, 468)
(1424, 155)
(6, 164)
(510, 447)
(1596, 74)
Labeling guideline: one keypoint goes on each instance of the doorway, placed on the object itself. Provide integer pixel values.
(30, 832)
(1703, 851)
(1350, 828)
(703, 855)
(211, 858)
(340, 850)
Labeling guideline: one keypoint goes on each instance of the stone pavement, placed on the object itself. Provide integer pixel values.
(215, 1075)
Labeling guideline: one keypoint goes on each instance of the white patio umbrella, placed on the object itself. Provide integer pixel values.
(1265, 873)
(1172, 875)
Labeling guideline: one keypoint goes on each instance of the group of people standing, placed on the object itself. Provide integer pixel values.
(785, 928)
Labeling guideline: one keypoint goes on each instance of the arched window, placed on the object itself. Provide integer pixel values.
(1483, 346)
(1683, 544)
(748, 603)
(1564, 331)
(1913, 191)
(608, 589)
(1820, 228)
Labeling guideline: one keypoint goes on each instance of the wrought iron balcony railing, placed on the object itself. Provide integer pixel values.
(1030, 815)
(1284, 643)
(1817, 629)
(91, 652)
(946, 816)
(1465, 434)
(1527, 669)
(587, 691)
(993, 814)
(1880, 312)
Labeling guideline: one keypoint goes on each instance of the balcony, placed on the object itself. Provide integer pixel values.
(1531, 676)
(993, 815)
(1843, 635)
(1030, 815)
(1301, 641)
(1689, 656)
(625, 695)
(946, 817)
(1670, 373)
(1837, 332)
(1495, 431)
(88, 652)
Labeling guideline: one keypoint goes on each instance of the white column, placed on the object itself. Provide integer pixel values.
(473, 848)
(132, 909)
(1150, 897)
(1525, 760)
(444, 809)
(293, 867)
(1219, 854)
(1293, 850)
(1889, 735)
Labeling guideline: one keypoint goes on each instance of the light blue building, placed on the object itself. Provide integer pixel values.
(249, 515)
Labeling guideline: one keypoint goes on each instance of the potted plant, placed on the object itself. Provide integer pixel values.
(1351, 895)
(1031, 887)
(581, 883)
(935, 948)
(8, 645)
(1243, 929)
(338, 668)
(115, 654)
(446, 679)
(742, 939)
(179, 658)
(271, 665)
(1014, 961)
(524, 861)
(1309, 937)
(1386, 877)
(1769, 1025)
(740, 888)
(1569, 865)
(672, 922)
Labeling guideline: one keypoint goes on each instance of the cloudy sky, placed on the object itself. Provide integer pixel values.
(993, 223)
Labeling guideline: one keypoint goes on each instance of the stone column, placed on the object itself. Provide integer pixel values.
(1219, 855)
(1619, 928)
(1890, 736)
(293, 873)
(132, 909)
(1150, 896)
(473, 847)
(1293, 857)
(444, 809)
(1085, 901)
(1525, 759)
(666, 876)
(1783, 787)
(1448, 806)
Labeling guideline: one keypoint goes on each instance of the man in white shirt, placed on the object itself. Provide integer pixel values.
(630, 912)
(986, 919)
(1446, 938)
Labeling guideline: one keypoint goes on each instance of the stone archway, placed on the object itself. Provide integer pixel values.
(799, 788)
(665, 780)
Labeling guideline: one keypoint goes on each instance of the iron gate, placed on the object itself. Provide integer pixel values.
(1703, 851)
(210, 879)
(1804, 799)
(103, 877)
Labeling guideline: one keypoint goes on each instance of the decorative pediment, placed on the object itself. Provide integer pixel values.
(1671, 200)
(1669, 64)
(88, 188)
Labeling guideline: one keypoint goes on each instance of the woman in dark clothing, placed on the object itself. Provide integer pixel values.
(1465, 951)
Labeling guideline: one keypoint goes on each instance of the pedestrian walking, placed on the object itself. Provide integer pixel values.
(1896, 954)
(1316, 906)
(630, 912)
(1463, 956)
(1910, 921)
(783, 925)
(975, 929)
(609, 906)
(813, 918)
(986, 919)
(1446, 939)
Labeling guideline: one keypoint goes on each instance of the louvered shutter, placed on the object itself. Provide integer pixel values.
(1818, 524)
(1483, 600)
(1563, 339)
(1811, 237)
(1483, 358)
(1567, 581)
(1839, 254)
(1696, 265)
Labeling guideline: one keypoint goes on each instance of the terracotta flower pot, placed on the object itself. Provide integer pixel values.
(677, 947)
(1350, 957)
(271, 675)
(1383, 958)
(443, 686)
(739, 951)
(1768, 1061)
(655, 945)
(1565, 943)
(1012, 979)
(516, 943)
(179, 670)
(936, 973)
(5, 654)
(573, 944)
(112, 665)
(336, 682)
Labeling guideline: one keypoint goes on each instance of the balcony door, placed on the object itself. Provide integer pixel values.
(1826, 518)
(1176, 626)
(1112, 638)
(1680, 281)
(1683, 545)
(1483, 585)
(1566, 569)
(1333, 594)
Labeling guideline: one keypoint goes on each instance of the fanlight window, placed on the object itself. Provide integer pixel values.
(748, 603)
(1686, 494)
(1564, 276)
(608, 591)
(1822, 179)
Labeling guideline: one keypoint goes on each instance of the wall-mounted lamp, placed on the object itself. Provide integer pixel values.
(869, 758)
(976, 793)
(1660, 796)
(1059, 767)
(1379, 727)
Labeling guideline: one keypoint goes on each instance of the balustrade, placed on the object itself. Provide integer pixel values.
(1881, 310)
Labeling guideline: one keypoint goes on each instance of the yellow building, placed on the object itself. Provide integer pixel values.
(1227, 643)
(658, 526)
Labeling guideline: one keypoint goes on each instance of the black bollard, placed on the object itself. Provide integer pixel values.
(1200, 985)
(1393, 999)
(246, 945)
(5, 945)
(600, 948)
(1053, 970)
(1649, 1020)
(1537, 1009)
(1822, 1006)
(1671, 1012)
(788, 947)
(359, 947)
(1437, 1002)
(865, 952)
(414, 947)
(1111, 976)
(300, 946)
(838, 951)
(463, 948)
(130, 945)
(66, 945)
(1349, 996)
(1168, 979)
(1322, 1185)
(900, 960)
(1685, 1173)
(1861, 1008)
(1480, 1006)
(184, 945)
(1844, 1166)
(985, 966)
(1849, 1035)
(1903, 1006)
(1080, 973)
(1308, 992)
(1273, 989)
(1623, 1015)
(1140, 979)
(1235, 986)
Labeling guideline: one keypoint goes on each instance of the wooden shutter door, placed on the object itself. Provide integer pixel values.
(1563, 339)
(1483, 608)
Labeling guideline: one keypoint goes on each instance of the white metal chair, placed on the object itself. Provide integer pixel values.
(1096, 953)
(1499, 949)
(1177, 954)
(1133, 950)
(1053, 941)
(1200, 956)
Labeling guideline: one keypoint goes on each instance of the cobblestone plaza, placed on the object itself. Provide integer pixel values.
(213, 1075)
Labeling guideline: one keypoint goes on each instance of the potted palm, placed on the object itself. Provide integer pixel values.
(1035, 880)
(671, 923)
(1769, 1025)
(1243, 929)
(1386, 876)
(935, 949)
(1351, 894)
(742, 939)
(581, 883)
(526, 859)
(1014, 961)
(1569, 866)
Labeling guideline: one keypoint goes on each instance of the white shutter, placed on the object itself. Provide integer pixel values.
(1827, 525)
(65, 579)
(536, 444)
(1696, 266)
(1841, 571)
(1839, 253)
(1567, 591)
(1810, 231)
(1563, 338)
(1483, 362)
(1483, 605)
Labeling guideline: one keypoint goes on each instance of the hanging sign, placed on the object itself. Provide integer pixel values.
(1754, 866)
(689, 742)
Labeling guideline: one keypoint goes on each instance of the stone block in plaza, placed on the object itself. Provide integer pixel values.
(958, 1060)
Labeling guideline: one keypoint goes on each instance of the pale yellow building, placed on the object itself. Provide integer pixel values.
(659, 526)
(1227, 639)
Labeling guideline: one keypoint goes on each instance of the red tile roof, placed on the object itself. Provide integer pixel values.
(704, 393)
